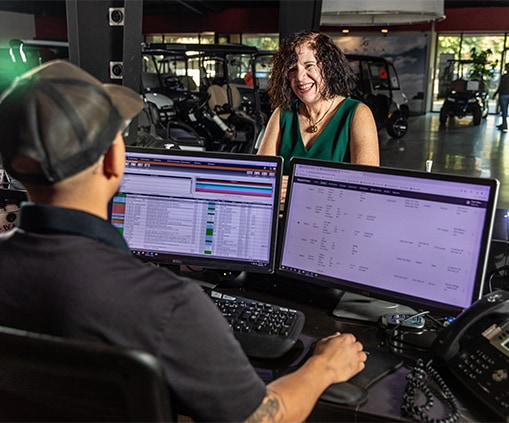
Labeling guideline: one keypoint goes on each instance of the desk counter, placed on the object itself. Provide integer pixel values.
(385, 396)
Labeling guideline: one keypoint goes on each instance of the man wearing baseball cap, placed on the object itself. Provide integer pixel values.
(65, 271)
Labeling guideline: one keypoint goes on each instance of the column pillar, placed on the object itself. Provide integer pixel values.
(298, 16)
(105, 39)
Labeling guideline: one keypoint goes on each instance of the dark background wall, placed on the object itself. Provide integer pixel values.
(266, 20)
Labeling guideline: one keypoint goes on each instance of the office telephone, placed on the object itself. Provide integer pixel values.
(474, 352)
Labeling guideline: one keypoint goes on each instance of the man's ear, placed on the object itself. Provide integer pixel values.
(114, 158)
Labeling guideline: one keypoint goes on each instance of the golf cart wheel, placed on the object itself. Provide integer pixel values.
(477, 113)
(485, 111)
(443, 115)
(397, 126)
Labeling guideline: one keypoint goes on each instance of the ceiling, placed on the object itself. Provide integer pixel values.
(193, 7)
(150, 7)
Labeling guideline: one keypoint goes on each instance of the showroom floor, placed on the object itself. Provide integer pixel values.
(459, 148)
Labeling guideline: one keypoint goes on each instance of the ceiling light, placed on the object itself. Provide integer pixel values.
(380, 13)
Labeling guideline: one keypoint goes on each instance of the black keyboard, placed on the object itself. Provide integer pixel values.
(263, 330)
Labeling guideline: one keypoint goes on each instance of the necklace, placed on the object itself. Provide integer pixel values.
(313, 127)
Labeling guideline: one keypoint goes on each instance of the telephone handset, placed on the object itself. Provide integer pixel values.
(475, 350)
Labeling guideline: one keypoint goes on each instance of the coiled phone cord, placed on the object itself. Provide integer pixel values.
(418, 380)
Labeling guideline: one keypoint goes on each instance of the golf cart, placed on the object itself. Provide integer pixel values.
(210, 89)
(378, 87)
(466, 91)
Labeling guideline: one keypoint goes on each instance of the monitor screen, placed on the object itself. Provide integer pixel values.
(214, 210)
(409, 237)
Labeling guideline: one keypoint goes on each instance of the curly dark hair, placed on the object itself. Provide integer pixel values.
(339, 78)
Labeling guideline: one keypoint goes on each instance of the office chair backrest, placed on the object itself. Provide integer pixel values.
(45, 378)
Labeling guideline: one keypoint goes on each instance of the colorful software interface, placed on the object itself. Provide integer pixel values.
(196, 207)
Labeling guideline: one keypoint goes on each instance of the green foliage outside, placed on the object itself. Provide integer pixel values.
(262, 43)
(480, 48)
(483, 68)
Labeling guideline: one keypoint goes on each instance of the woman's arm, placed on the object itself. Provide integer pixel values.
(291, 398)
(364, 148)
(272, 136)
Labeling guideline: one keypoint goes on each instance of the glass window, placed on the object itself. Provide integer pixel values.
(261, 41)
(453, 48)
(184, 38)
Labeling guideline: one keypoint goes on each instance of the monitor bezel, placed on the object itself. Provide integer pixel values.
(375, 293)
(203, 262)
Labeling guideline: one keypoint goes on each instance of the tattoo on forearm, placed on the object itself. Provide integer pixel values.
(269, 411)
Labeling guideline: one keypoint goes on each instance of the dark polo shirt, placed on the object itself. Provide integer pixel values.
(68, 273)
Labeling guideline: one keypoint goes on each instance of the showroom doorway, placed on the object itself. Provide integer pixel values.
(488, 54)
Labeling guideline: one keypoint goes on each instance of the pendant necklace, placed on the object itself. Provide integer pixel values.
(313, 127)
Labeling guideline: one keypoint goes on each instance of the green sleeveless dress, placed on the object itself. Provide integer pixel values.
(331, 144)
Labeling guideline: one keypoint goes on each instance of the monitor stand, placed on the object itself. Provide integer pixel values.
(360, 307)
(226, 278)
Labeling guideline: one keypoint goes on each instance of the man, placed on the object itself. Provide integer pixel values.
(66, 271)
(503, 97)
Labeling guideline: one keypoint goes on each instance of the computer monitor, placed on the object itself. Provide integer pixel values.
(410, 238)
(200, 208)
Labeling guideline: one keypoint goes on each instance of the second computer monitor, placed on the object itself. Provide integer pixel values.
(414, 238)
(213, 210)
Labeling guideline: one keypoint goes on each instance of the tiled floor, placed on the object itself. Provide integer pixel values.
(459, 148)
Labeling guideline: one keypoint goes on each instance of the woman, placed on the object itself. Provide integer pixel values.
(313, 114)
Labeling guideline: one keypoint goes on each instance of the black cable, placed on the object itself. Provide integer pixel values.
(395, 336)
(420, 381)
(440, 323)
(495, 272)
(504, 258)
(506, 216)
(506, 253)
(402, 346)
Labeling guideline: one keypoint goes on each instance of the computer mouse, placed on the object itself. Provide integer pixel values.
(345, 393)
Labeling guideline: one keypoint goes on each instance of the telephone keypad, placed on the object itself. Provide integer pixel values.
(489, 371)
(476, 364)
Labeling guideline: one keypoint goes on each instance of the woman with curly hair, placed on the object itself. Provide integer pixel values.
(313, 115)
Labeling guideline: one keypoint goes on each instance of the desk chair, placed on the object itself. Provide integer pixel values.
(44, 378)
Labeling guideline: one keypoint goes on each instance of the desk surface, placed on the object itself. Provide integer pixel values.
(384, 396)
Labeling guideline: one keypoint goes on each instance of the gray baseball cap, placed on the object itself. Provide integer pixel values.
(63, 118)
